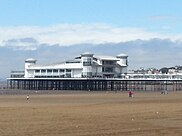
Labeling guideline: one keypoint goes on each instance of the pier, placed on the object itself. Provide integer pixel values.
(95, 84)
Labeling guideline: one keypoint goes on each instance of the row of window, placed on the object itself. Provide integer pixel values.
(104, 69)
(87, 62)
(107, 62)
(61, 76)
(52, 70)
(107, 69)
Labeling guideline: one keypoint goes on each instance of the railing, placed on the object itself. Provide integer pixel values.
(152, 76)
(17, 72)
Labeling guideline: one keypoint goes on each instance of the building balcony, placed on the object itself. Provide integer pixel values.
(17, 74)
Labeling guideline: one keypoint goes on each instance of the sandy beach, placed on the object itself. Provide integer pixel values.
(91, 114)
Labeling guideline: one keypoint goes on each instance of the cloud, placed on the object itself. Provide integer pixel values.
(141, 53)
(72, 34)
(21, 44)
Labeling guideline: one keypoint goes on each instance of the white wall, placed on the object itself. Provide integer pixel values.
(30, 73)
(122, 62)
(27, 71)
(76, 73)
(121, 70)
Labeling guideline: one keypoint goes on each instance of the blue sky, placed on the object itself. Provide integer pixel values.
(150, 14)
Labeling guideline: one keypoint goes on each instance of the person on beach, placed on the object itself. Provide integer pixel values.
(164, 92)
(28, 97)
(130, 94)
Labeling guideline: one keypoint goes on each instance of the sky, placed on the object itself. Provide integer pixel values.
(150, 14)
(57, 20)
(73, 22)
(68, 22)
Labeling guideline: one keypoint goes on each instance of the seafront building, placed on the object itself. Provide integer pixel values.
(90, 72)
(86, 65)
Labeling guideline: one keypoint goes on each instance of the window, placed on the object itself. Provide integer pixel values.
(37, 71)
(61, 70)
(68, 70)
(107, 69)
(43, 71)
(68, 75)
(87, 62)
(55, 70)
(107, 62)
(87, 74)
(49, 70)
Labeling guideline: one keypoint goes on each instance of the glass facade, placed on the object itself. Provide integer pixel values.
(108, 69)
(87, 62)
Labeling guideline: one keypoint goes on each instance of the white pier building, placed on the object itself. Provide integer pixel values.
(87, 65)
